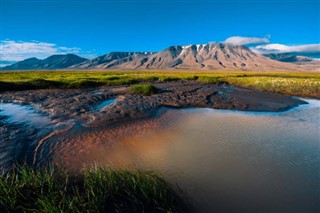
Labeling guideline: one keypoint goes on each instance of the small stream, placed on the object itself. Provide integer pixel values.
(21, 127)
(17, 113)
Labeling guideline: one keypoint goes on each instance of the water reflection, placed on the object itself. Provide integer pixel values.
(225, 161)
(104, 104)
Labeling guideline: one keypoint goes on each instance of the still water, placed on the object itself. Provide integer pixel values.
(225, 161)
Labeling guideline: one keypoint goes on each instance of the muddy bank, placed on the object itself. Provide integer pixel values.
(74, 110)
(79, 104)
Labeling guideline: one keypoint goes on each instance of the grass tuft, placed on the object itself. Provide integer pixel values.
(25, 189)
(143, 89)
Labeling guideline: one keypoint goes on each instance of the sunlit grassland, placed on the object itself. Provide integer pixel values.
(290, 83)
(304, 87)
(26, 189)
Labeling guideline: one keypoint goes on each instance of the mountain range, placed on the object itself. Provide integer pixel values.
(52, 62)
(211, 56)
(286, 57)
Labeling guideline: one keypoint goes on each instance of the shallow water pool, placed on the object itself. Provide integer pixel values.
(224, 161)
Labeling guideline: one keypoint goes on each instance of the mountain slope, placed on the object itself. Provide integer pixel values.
(303, 62)
(111, 60)
(286, 57)
(30, 63)
(52, 62)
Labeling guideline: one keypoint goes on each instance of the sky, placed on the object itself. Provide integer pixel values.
(39, 28)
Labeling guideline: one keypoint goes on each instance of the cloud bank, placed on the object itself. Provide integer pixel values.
(19, 50)
(264, 46)
(239, 40)
(281, 48)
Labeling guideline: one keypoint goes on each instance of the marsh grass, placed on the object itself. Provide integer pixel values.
(25, 189)
(289, 86)
(290, 83)
(209, 79)
(143, 89)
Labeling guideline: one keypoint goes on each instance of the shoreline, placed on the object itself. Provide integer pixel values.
(78, 107)
(180, 94)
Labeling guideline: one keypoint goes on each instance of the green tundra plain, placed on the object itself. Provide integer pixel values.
(289, 83)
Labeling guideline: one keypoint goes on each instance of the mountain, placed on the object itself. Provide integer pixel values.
(212, 56)
(206, 56)
(30, 63)
(286, 57)
(52, 62)
(113, 59)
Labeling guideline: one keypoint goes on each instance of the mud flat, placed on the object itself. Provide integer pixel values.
(79, 104)
(69, 111)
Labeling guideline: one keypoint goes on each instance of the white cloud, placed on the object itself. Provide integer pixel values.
(281, 48)
(20, 50)
(239, 40)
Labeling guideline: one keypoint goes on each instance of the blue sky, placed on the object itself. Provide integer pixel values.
(96, 27)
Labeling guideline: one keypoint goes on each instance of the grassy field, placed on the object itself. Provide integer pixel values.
(95, 190)
(290, 83)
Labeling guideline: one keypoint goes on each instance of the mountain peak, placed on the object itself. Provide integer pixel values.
(111, 60)
(33, 58)
(59, 61)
